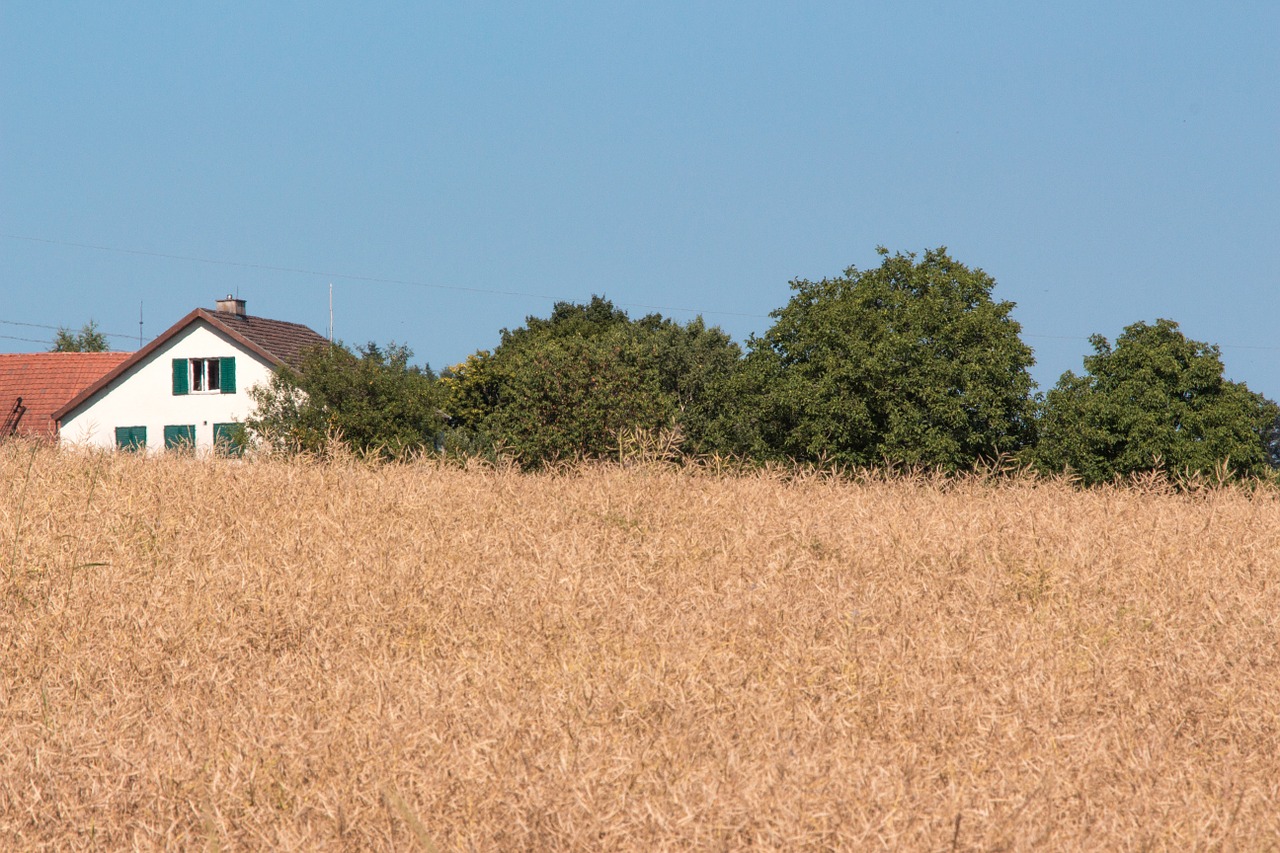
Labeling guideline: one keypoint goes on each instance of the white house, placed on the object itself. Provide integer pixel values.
(189, 386)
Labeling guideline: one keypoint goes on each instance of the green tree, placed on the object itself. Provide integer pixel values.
(566, 386)
(571, 397)
(912, 362)
(1156, 400)
(696, 365)
(372, 399)
(88, 339)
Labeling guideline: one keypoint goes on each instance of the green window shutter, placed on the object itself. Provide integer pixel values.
(228, 371)
(226, 438)
(131, 438)
(179, 376)
(180, 437)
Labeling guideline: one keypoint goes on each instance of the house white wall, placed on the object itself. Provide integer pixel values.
(143, 396)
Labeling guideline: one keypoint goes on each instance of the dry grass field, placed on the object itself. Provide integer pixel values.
(292, 655)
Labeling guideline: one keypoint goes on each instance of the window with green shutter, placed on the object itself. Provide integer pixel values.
(180, 383)
(131, 437)
(207, 375)
(226, 438)
(228, 375)
(181, 437)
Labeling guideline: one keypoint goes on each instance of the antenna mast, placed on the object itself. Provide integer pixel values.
(139, 325)
(330, 312)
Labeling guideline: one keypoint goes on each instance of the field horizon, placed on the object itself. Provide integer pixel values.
(296, 654)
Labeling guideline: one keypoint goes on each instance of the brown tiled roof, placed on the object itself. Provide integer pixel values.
(46, 381)
(275, 340)
(285, 341)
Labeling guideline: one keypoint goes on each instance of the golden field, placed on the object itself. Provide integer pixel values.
(213, 654)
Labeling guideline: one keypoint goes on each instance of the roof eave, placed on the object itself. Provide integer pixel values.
(164, 337)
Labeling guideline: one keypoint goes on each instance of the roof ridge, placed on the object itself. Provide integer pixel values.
(276, 341)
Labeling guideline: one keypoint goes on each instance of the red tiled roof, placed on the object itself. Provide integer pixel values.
(46, 381)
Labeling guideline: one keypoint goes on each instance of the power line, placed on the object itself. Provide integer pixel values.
(25, 340)
(349, 277)
(412, 283)
(60, 328)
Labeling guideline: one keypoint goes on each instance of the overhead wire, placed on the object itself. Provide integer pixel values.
(351, 277)
(455, 287)
(25, 340)
(60, 329)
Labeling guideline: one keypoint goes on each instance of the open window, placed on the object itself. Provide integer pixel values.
(204, 375)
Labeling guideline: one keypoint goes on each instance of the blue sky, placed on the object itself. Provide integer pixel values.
(451, 169)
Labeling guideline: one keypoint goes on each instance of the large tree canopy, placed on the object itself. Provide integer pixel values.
(372, 399)
(912, 362)
(567, 386)
(1156, 400)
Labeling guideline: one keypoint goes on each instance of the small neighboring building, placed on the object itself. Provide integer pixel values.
(187, 388)
(35, 385)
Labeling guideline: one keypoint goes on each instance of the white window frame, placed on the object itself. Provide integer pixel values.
(198, 375)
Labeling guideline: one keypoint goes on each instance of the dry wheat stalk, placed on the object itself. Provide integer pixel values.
(295, 655)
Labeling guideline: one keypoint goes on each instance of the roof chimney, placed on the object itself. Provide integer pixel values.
(231, 305)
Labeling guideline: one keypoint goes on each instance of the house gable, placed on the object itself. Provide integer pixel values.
(191, 380)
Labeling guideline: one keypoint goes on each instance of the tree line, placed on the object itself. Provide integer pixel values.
(912, 363)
